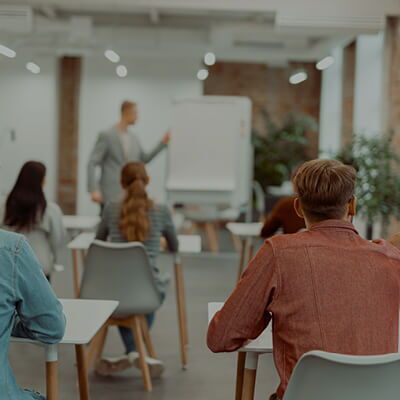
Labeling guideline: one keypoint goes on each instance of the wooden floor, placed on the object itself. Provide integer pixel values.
(208, 377)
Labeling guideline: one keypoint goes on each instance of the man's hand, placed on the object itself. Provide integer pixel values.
(166, 138)
(96, 197)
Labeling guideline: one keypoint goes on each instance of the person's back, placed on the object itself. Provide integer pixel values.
(326, 288)
(137, 219)
(344, 298)
(28, 307)
(27, 211)
(47, 236)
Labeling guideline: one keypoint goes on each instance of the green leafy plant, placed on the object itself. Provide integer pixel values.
(378, 180)
(280, 148)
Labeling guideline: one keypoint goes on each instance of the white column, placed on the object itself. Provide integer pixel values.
(331, 106)
(368, 96)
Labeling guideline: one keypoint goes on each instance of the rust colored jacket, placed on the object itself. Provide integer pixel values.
(327, 289)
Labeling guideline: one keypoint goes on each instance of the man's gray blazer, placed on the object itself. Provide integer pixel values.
(108, 154)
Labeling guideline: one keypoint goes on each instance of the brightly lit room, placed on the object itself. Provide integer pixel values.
(199, 199)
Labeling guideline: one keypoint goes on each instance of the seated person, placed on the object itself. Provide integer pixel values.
(327, 288)
(284, 216)
(28, 212)
(29, 307)
(137, 219)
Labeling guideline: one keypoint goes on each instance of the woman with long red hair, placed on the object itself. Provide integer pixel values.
(137, 219)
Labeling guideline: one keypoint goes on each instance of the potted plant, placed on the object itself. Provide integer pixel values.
(280, 148)
(378, 181)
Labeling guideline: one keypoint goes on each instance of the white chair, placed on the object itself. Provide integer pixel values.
(122, 272)
(327, 376)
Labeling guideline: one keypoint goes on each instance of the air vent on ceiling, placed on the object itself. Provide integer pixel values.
(15, 18)
(373, 23)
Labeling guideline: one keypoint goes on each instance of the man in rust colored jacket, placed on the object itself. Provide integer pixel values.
(326, 288)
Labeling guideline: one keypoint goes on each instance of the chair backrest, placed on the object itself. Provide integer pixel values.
(122, 272)
(328, 376)
(260, 199)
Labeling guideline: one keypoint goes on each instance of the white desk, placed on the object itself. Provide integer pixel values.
(188, 244)
(246, 231)
(80, 223)
(247, 358)
(84, 319)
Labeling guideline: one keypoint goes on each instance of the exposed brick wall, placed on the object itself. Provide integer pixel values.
(348, 84)
(269, 88)
(69, 92)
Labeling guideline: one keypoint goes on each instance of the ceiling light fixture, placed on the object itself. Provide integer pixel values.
(121, 71)
(325, 63)
(6, 51)
(112, 56)
(202, 74)
(298, 77)
(32, 67)
(210, 59)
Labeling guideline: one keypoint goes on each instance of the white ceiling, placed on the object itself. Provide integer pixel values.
(270, 31)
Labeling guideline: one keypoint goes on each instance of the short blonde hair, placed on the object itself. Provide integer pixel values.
(324, 187)
(126, 105)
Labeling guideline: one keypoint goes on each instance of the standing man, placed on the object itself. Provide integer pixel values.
(113, 149)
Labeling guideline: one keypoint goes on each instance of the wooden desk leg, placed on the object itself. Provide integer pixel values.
(76, 272)
(212, 236)
(180, 303)
(240, 375)
(52, 389)
(82, 372)
(242, 259)
(249, 380)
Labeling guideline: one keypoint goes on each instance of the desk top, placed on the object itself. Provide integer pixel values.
(84, 319)
(245, 229)
(263, 344)
(80, 222)
(187, 243)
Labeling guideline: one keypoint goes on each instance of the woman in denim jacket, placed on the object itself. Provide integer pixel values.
(28, 307)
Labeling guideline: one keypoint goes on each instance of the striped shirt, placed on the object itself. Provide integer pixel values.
(161, 225)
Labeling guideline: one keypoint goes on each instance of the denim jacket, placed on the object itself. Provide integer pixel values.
(28, 307)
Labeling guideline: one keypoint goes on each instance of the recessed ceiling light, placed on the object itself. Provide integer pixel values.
(298, 77)
(32, 67)
(6, 51)
(112, 56)
(325, 63)
(210, 59)
(202, 74)
(121, 71)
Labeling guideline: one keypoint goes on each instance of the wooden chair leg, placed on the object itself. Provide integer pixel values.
(249, 379)
(82, 372)
(147, 338)
(95, 348)
(76, 273)
(137, 333)
(236, 242)
(52, 390)
(180, 303)
(212, 237)
(240, 375)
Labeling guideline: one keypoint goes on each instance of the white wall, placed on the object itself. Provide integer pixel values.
(331, 106)
(152, 85)
(28, 105)
(368, 96)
